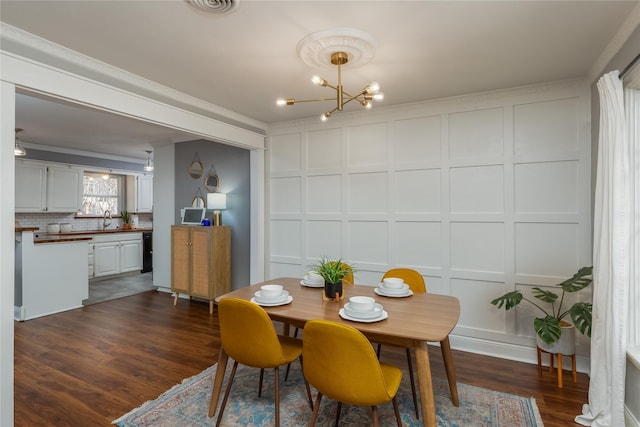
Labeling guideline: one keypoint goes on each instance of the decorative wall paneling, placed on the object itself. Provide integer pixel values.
(481, 194)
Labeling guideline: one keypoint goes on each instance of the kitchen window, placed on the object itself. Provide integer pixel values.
(102, 192)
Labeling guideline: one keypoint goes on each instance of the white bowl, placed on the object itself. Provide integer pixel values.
(393, 282)
(313, 278)
(271, 290)
(65, 227)
(394, 291)
(360, 303)
(53, 228)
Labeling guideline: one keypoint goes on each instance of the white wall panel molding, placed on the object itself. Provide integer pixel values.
(481, 194)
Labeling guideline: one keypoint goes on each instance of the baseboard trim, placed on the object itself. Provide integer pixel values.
(629, 419)
(520, 353)
(18, 313)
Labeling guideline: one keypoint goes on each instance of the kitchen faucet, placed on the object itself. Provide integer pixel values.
(107, 214)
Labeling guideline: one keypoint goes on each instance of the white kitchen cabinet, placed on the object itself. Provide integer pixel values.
(131, 255)
(31, 186)
(106, 259)
(117, 253)
(64, 188)
(47, 187)
(140, 193)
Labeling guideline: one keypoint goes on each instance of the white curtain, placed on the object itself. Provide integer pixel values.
(611, 260)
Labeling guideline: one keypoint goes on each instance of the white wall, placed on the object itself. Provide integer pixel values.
(7, 249)
(163, 213)
(481, 194)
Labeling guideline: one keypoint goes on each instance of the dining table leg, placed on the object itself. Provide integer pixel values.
(223, 357)
(445, 346)
(425, 385)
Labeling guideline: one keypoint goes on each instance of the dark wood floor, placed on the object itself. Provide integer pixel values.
(89, 366)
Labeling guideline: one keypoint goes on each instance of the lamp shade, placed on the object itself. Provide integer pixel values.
(217, 201)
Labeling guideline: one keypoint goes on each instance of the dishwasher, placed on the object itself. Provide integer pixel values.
(147, 251)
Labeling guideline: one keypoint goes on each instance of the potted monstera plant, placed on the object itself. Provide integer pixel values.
(549, 327)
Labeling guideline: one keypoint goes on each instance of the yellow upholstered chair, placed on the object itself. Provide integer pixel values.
(341, 364)
(417, 285)
(249, 337)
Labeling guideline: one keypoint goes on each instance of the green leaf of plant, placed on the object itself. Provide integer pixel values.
(509, 300)
(581, 317)
(544, 295)
(547, 328)
(578, 281)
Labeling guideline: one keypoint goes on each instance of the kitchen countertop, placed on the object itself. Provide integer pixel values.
(72, 236)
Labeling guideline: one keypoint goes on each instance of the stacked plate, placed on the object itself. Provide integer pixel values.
(270, 301)
(402, 291)
(312, 280)
(363, 309)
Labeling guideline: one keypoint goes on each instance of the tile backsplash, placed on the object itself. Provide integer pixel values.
(41, 220)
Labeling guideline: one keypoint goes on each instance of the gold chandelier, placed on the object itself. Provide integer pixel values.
(364, 97)
(337, 47)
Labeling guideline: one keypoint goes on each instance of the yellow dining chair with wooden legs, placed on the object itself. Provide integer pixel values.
(417, 285)
(249, 337)
(341, 364)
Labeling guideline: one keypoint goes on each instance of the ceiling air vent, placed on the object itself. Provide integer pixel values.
(215, 6)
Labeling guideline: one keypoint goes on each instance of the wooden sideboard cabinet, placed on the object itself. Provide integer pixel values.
(200, 261)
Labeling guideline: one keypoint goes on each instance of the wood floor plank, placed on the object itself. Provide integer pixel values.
(90, 366)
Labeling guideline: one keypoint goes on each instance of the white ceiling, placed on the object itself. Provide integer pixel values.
(244, 60)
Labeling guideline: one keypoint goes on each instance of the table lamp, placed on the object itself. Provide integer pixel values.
(217, 201)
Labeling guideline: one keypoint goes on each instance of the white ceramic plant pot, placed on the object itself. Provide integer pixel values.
(566, 344)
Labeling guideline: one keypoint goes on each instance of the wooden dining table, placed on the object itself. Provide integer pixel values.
(412, 322)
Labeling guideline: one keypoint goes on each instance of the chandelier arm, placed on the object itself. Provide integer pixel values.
(331, 86)
(314, 100)
(349, 100)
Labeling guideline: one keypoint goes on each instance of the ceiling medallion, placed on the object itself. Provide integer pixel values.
(338, 48)
(316, 49)
(215, 6)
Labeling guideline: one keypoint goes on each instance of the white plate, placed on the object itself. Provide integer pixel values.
(344, 315)
(273, 304)
(311, 285)
(376, 312)
(268, 300)
(407, 293)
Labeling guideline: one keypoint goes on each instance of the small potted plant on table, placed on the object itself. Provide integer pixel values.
(333, 271)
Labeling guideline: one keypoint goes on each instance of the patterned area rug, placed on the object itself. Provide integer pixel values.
(187, 404)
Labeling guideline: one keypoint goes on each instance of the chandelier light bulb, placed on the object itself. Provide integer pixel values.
(325, 116)
(281, 102)
(317, 80)
(368, 105)
(373, 87)
(379, 96)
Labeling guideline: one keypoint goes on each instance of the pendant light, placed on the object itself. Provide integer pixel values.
(149, 166)
(18, 150)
